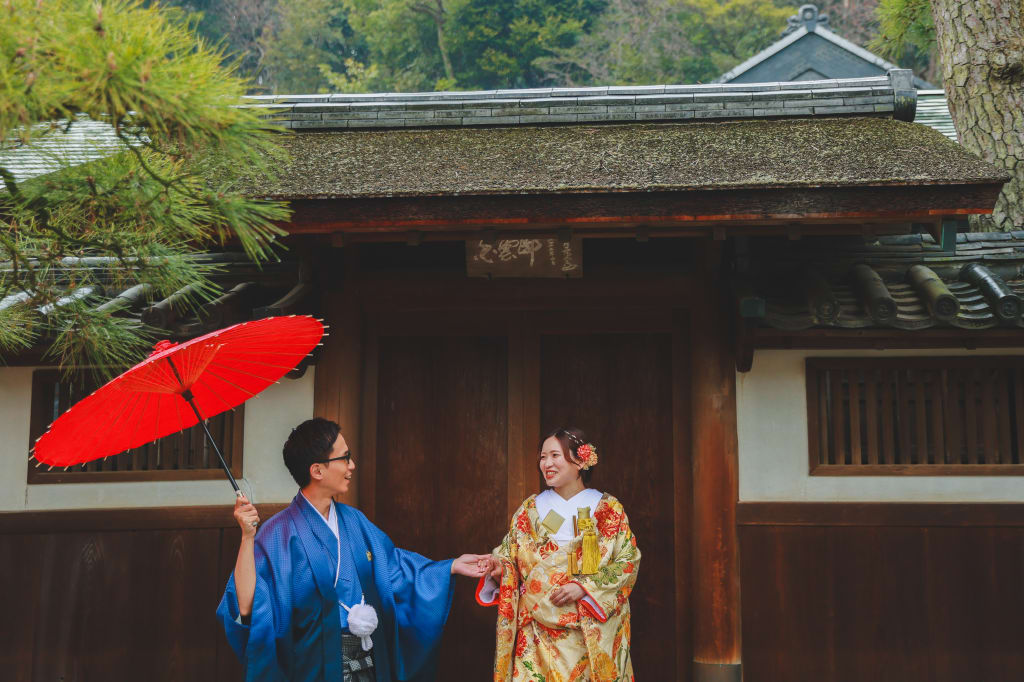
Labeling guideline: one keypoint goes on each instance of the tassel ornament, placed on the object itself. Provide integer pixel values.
(591, 553)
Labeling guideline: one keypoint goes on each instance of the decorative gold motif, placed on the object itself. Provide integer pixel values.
(552, 522)
(369, 556)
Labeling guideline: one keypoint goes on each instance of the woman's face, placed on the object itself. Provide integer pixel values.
(554, 467)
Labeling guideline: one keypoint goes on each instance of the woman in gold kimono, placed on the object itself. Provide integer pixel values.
(561, 578)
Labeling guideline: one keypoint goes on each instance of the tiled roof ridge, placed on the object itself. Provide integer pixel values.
(984, 279)
(888, 96)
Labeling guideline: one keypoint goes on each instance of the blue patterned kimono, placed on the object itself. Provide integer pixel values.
(294, 631)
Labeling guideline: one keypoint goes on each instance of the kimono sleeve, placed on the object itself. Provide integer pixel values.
(423, 592)
(488, 591)
(420, 591)
(609, 588)
(254, 643)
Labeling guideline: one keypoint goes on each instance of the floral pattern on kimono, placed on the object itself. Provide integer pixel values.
(587, 640)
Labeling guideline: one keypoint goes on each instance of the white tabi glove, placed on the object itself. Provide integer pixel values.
(362, 621)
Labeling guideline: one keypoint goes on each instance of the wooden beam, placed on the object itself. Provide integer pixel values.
(909, 514)
(880, 339)
(625, 230)
(655, 209)
(138, 518)
(716, 588)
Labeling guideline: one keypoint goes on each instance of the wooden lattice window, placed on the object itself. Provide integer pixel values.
(180, 456)
(925, 416)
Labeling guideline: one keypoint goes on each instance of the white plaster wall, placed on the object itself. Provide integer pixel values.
(269, 417)
(771, 407)
(15, 408)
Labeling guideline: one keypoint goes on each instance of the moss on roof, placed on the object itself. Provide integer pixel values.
(819, 152)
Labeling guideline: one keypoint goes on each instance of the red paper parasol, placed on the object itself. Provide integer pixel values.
(177, 386)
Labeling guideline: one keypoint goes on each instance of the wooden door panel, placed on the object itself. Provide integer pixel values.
(618, 388)
(454, 414)
(441, 466)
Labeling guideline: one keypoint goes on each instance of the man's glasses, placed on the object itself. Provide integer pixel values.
(346, 457)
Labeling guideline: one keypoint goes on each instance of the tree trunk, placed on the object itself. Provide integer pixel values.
(981, 43)
(437, 13)
(439, 20)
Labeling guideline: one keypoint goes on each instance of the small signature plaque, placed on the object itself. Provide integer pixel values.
(527, 256)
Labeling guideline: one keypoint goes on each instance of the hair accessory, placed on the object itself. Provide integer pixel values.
(587, 454)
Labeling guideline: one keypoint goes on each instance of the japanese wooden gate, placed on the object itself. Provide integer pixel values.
(444, 387)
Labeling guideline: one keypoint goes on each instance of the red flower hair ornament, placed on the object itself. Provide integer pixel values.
(587, 455)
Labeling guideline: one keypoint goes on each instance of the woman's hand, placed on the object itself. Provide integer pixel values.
(246, 516)
(469, 565)
(494, 568)
(569, 593)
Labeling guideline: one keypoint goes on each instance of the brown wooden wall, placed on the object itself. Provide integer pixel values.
(878, 592)
(133, 601)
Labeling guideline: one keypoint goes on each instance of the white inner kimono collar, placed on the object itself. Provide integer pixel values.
(550, 500)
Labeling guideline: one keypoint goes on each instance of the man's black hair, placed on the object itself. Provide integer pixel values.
(309, 442)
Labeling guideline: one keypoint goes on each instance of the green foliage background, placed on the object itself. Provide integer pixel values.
(307, 46)
(130, 219)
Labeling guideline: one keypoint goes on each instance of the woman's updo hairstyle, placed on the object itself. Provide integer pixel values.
(569, 447)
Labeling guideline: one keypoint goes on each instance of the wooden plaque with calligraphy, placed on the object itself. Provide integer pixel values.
(527, 256)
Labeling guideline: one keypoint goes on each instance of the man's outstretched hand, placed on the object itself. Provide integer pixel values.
(470, 565)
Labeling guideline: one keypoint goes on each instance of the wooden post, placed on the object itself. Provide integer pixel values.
(716, 585)
(337, 384)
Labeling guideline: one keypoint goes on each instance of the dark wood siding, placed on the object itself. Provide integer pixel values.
(134, 600)
(907, 592)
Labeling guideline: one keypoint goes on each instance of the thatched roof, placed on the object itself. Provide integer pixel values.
(740, 154)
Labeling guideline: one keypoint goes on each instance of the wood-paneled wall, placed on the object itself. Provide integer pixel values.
(132, 601)
(880, 592)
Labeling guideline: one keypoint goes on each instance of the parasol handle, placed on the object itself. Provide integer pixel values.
(187, 395)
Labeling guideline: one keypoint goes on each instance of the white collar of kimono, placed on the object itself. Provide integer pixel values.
(550, 500)
(332, 523)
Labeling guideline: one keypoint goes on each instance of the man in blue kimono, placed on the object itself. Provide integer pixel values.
(297, 605)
